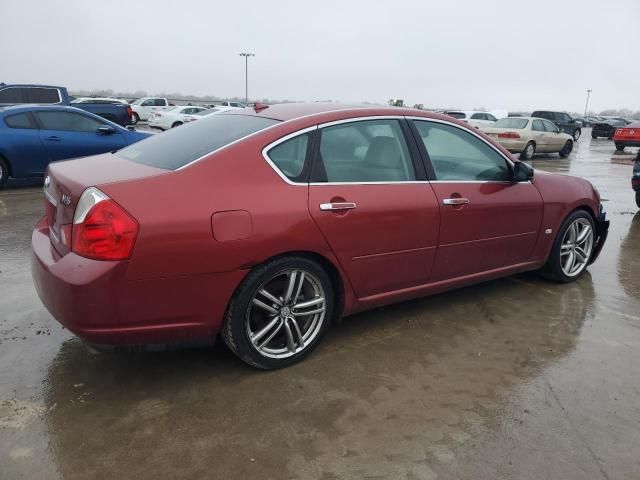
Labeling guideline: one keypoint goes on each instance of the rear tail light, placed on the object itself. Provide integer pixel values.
(130, 113)
(102, 230)
(509, 135)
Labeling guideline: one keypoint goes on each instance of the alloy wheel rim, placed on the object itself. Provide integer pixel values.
(530, 151)
(576, 247)
(576, 135)
(286, 314)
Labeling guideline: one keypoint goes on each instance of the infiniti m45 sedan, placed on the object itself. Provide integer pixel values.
(265, 225)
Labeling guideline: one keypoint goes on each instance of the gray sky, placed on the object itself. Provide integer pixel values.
(462, 54)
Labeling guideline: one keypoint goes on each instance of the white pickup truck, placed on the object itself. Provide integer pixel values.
(145, 106)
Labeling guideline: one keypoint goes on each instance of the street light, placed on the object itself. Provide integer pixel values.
(246, 56)
(586, 107)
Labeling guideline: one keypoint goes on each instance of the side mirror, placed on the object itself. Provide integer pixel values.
(105, 130)
(522, 172)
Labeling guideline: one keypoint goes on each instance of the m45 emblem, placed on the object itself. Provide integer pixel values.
(66, 199)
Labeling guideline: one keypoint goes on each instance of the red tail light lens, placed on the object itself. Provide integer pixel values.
(102, 230)
(509, 135)
(130, 112)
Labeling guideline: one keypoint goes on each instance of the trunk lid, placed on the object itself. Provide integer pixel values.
(66, 180)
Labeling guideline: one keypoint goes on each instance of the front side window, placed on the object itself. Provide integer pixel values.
(148, 103)
(180, 146)
(490, 117)
(457, 155)
(365, 151)
(20, 120)
(478, 116)
(67, 121)
(289, 156)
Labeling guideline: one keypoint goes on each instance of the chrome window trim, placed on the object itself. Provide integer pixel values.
(272, 145)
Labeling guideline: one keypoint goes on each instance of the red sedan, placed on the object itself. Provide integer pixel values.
(627, 136)
(267, 225)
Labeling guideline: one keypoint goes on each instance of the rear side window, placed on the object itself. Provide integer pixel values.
(538, 126)
(180, 146)
(289, 156)
(12, 95)
(20, 120)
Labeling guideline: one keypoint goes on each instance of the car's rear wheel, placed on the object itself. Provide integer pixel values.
(572, 248)
(176, 124)
(528, 152)
(566, 150)
(576, 134)
(135, 118)
(279, 313)
(4, 172)
(619, 148)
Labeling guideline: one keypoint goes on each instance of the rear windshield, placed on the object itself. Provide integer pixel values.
(177, 147)
(511, 123)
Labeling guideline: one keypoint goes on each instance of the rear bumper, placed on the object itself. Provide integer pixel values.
(602, 231)
(98, 302)
(627, 143)
(514, 146)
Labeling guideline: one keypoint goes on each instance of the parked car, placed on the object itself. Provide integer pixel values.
(477, 119)
(626, 121)
(107, 100)
(295, 215)
(627, 136)
(173, 117)
(145, 106)
(528, 135)
(50, 95)
(18, 94)
(583, 121)
(562, 120)
(32, 136)
(228, 103)
(606, 128)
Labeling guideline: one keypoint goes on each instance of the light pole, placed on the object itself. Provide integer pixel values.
(586, 107)
(246, 56)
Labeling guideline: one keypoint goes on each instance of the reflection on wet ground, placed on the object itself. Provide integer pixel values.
(517, 378)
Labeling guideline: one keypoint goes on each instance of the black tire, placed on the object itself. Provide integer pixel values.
(566, 150)
(4, 172)
(234, 330)
(595, 137)
(528, 152)
(576, 134)
(176, 124)
(638, 198)
(619, 148)
(552, 270)
(135, 118)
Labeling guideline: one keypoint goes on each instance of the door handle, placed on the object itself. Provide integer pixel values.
(52, 138)
(337, 206)
(455, 201)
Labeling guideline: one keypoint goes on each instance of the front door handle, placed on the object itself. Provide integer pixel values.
(337, 206)
(52, 138)
(455, 201)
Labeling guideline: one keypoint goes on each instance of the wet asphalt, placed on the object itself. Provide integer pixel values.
(516, 378)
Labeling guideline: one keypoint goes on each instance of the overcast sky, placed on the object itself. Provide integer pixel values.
(455, 53)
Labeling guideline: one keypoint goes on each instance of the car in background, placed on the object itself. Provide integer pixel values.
(583, 121)
(49, 95)
(474, 118)
(528, 136)
(626, 121)
(173, 117)
(107, 100)
(32, 136)
(627, 136)
(294, 215)
(227, 103)
(606, 128)
(145, 106)
(563, 120)
(214, 110)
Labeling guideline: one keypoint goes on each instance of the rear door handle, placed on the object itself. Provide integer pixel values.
(52, 138)
(337, 206)
(455, 201)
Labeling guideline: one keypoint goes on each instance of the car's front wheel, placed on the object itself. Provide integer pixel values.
(576, 134)
(528, 152)
(135, 118)
(566, 150)
(4, 172)
(279, 312)
(619, 148)
(572, 248)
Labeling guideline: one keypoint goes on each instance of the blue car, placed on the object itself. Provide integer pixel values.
(31, 136)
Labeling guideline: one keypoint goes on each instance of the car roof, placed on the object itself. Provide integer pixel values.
(293, 111)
